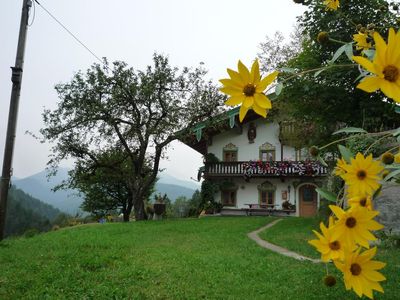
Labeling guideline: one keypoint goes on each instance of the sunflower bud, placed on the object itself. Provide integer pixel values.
(363, 30)
(323, 37)
(329, 280)
(387, 158)
(383, 8)
(314, 151)
(358, 27)
(395, 6)
(371, 26)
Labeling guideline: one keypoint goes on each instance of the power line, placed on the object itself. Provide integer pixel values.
(69, 32)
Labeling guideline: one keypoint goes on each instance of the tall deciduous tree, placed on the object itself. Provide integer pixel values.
(139, 111)
(331, 100)
(104, 182)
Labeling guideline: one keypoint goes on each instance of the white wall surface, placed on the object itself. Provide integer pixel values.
(266, 132)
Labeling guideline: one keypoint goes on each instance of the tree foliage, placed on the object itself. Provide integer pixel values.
(141, 112)
(329, 100)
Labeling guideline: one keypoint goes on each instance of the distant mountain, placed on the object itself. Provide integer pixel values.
(168, 179)
(174, 191)
(39, 186)
(25, 212)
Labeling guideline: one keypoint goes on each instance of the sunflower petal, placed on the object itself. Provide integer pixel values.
(380, 45)
(235, 76)
(230, 91)
(365, 63)
(266, 82)
(259, 110)
(235, 100)
(232, 84)
(369, 84)
(262, 101)
(374, 275)
(242, 112)
(244, 73)
(248, 102)
(255, 72)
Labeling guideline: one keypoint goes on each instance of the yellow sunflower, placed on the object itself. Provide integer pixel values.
(385, 68)
(362, 175)
(332, 4)
(361, 201)
(339, 169)
(354, 225)
(329, 248)
(246, 87)
(361, 40)
(360, 272)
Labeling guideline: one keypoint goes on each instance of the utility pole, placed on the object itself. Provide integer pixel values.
(16, 79)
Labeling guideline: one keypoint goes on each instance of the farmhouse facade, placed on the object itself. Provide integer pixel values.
(254, 166)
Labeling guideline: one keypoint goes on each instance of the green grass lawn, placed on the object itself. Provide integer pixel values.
(293, 234)
(209, 258)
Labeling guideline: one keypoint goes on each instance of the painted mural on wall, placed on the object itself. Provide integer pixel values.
(282, 168)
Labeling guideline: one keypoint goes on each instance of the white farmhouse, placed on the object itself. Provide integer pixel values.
(254, 167)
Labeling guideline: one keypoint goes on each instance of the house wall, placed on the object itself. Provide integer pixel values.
(247, 192)
(266, 132)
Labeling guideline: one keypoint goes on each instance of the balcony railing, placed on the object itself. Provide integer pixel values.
(265, 169)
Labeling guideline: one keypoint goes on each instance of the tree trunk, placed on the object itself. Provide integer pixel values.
(126, 211)
(126, 216)
(140, 213)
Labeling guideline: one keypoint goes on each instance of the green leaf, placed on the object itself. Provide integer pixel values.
(338, 53)
(396, 132)
(278, 88)
(345, 153)
(391, 175)
(326, 194)
(350, 130)
(349, 51)
(322, 161)
(319, 72)
(369, 53)
(288, 70)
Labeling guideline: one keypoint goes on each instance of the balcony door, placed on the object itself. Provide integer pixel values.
(307, 200)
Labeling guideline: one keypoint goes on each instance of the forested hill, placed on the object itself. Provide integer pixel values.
(25, 212)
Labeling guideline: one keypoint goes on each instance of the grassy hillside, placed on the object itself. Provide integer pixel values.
(209, 258)
(25, 212)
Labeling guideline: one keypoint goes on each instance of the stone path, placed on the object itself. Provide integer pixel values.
(283, 251)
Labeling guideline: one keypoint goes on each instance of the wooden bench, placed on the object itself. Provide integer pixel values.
(255, 207)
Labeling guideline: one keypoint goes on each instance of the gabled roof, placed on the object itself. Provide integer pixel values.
(199, 135)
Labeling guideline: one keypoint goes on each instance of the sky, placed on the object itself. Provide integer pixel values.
(215, 32)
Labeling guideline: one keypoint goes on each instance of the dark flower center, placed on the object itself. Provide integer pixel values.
(361, 174)
(351, 222)
(335, 245)
(363, 201)
(355, 269)
(391, 73)
(249, 90)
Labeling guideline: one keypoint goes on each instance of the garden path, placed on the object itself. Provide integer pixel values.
(283, 251)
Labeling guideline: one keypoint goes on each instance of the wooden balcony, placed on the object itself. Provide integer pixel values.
(248, 169)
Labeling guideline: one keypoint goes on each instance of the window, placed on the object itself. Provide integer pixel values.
(266, 193)
(267, 197)
(230, 152)
(228, 198)
(230, 155)
(308, 193)
(267, 152)
(267, 155)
